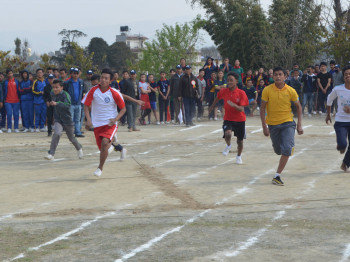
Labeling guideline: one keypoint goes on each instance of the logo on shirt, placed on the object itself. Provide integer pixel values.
(107, 100)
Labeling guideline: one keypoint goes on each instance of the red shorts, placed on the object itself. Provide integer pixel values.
(104, 131)
(145, 98)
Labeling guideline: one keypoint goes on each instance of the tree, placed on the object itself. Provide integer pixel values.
(99, 47)
(18, 43)
(69, 37)
(239, 29)
(25, 50)
(46, 62)
(119, 56)
(171, 44)
(16, 63)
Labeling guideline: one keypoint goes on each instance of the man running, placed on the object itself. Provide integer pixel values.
(342, 117)
(277, 98)
(104, 102)
(235, 100)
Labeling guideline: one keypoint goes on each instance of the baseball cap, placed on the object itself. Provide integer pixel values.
(178, 66)
(133, 72)
(51, 76)
(71, 70)
(187, 67)
(89, 72)
(337, 66)
(76, 70)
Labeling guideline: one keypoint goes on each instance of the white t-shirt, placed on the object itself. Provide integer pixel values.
(343, 96)
(104, 105)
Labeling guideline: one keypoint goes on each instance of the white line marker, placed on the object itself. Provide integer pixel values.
(216, 131)
(7, 216)
(166, 162)
(155, 240)
(307, 126)
(256, 131)
(346, 254)
(189, 128)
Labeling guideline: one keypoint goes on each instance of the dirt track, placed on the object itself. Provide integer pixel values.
(175, 198)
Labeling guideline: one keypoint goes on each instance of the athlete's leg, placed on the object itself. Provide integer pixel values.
(105, 144)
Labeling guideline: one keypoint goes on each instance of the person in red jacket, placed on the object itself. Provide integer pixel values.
(12, 100)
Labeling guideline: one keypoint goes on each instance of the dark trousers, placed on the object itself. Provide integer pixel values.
(342, 130)
(210, 100)
(199, 104)
(131, 114)
(27, 107)
(172, 108)
(322, 99)
(163, 106)
(49, 115)
(3, 116)
(189, 106)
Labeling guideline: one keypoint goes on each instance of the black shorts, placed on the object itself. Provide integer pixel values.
(238, 128)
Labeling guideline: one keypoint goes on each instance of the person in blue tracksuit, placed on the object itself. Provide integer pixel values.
(75, 88)
(1, 103)
(27, 102)
(39, 103)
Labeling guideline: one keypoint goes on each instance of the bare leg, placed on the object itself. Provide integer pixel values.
(343, 167)
(228, 135)
(282, 164)
(216, 112)
(104, 151)
(239, 147)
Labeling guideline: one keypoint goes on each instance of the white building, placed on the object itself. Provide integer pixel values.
(135, 42)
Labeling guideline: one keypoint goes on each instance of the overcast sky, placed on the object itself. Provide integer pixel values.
(39, 21)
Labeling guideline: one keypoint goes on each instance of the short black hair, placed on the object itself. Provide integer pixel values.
(183, 59)
(63, 69)
(347, 67)
(323, 63)
(317, 65)
(200, 70)
(8, 70)
(172, 70)
(234, 74)
(279, 68)
(125, 71)
(107, 71)
(39, 69)
(252, 80)
(95, 77)
(57, 81)
(115, 72)
(295, 64)
(162, 72)
(49, 68)
(142, 74)
(332, 62)
(55, 69)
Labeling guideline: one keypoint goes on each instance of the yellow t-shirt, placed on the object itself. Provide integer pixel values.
(278, 103)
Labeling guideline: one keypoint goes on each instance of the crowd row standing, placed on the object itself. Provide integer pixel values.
(179, 99)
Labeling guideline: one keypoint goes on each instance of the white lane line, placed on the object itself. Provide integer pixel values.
(166, 162)
(189, 128)
(304, 127)
(256, 131)
(332, 133)
(216, 131)
(155, 240)
(346, 254)
(7, 216)
(298, 153)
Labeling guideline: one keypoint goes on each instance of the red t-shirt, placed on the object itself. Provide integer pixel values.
(12, 96)
(236, 96)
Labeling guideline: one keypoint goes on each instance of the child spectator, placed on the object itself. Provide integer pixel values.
(210, 90)
(259, 90)
(144, 91)
(39, 103)
(153, 98)
(163, 98)
(12, 100)
(219, 84)
(27, 98)
(252, 95)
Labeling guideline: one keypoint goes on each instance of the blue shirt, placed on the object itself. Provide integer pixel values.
(76, 90)
(163, 86)
(152, 95)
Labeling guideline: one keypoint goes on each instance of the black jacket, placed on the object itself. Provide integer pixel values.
(175, 86)
(127, 88)
(62, 113)
(187, 89)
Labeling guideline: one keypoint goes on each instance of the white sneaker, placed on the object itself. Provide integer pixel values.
(32, 130)
(162, 122)
(211, 119)
(173, 121)
(45, 128)
(4, 129)
(49, 157)
(198, 119)
(25, 130)
(158, 123)
(110, 149)
(239, 160)
(37, 130)
(16, 130)
(215, 118)
(9, 130)
(80, 153)
(123, 154)
(1, 131)
(98, 172)
(227, 150)
(167, 122)
(42, 130)
(314, 112)
(309, 115)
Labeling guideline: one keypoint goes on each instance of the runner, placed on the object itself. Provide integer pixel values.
(104, 101)
(342, 117)
(235, 100)
(60, 101)
(276, 98)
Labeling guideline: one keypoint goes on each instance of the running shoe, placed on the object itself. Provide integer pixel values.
(81, 154)
(98, 172)
(17, 130)
(49, 157)
(277, 181)
(239, 160)
(227, 150)
(9, 130)
(25, 130)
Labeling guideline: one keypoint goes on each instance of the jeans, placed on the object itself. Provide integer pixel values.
(189, 106)
(40, 115)
(12, 109)
(75, 111)
(308, 99)
(163, 108)
(27, 113)
(131, 114)
(342, 130)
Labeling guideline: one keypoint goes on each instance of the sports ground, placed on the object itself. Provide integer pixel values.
(175, 198)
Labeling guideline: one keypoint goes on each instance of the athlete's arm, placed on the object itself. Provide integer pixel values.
(113, 121)
(299, 110)
(139, 102)
(88, 123)
(263, 120)
(214, 103)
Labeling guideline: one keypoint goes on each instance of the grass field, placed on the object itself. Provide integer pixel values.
(175, 198)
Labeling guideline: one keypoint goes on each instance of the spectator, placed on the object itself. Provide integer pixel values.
(27, 106)
(308, 80)
(201, 87)
(50, 108)
(226, 67)
(175, 92)
(39, 103)
(163, 97)
(209, 67)
(239, 70)
(324, 79)
(153, 98)
(12, 100)
(248, 76)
